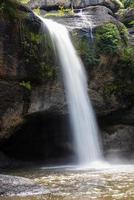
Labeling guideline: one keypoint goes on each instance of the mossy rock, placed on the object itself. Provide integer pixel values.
(110, 38)
(29, 54)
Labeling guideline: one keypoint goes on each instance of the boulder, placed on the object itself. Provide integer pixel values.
(52, 5)
(18, 186)
(113, 5)
(92, 17)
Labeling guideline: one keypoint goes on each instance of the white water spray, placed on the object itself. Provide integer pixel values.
(81, 113)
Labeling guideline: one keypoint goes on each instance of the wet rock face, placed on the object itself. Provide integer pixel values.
(43, 137)
(11, 106)
(12, 43)
(95, 15)
(118, 141)
(19, 66)
(13, 185)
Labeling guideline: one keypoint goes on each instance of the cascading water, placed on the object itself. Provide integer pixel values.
(81, 113)
(86, 24)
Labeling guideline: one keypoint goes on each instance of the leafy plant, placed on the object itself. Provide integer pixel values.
(24, 1)
(60, 13)
(37, 11)
(9, 10)
(128, 3)
(26, 85)
(108, 39)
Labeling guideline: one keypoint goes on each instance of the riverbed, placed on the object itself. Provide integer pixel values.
(70, 183)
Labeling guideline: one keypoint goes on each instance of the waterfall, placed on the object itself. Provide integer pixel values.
(84, 127)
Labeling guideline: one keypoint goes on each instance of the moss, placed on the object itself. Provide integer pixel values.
(9, 10)
(128, 3)
(26, 85)
(130, 24)
(24, 1)
(37, 11)
(113, 40)
(85, 49)
(108, 40)
(60, 13)
(38, 55)
(123, 86)
(123, 34)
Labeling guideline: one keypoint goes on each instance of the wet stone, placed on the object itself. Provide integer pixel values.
(18, 186)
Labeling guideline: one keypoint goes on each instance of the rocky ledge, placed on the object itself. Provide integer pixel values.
(54, 4)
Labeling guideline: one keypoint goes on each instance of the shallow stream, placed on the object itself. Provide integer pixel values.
(113, 183)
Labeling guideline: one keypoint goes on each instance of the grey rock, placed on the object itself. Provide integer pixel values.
(47, 96)
(52, 4)
(127, 15)
(94, 15)
(119, 139)
(17, 186)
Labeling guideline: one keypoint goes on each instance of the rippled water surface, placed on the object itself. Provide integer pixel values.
(68, 184)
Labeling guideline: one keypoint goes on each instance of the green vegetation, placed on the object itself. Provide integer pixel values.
(123, 34)
(112, 40)
(128, 3)
(37, 11)
(38, 60)
(122, 85)
(38, 55)
(26, 85)
(60, 13)
(131, 23)
(108, 39)
(8, 9)
(85, 49)
(24, 1)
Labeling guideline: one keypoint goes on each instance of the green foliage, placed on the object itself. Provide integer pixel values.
(128, 55)
(85, 49)
(38, 55)
(60, 13)
(123, 85)
(9, 10)
(123, 34)
(108, 39)
(26, 85)
(37, 11)
(24, 1)
(131, 24)
(128, 3)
